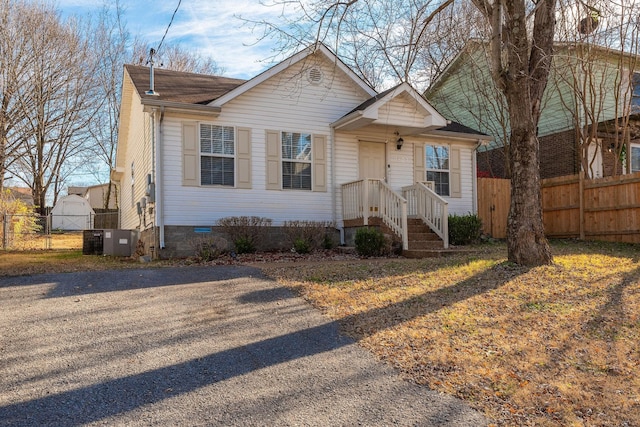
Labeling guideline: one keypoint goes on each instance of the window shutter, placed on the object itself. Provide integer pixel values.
(319, 163)
(243, 158)
(190, 155)
(274, 166)
(455, 172)
(419, 172)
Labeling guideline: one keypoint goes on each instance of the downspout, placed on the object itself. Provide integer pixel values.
(153, 248)
(158, 181)
(474, 177)
(334, 191)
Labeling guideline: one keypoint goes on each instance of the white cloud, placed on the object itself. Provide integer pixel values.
(213, 28)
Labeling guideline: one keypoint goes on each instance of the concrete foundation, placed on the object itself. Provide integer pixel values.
(179, 240)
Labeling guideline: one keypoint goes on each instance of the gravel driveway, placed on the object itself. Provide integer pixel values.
(191, 346)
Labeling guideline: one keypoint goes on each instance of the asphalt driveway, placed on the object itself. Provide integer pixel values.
(191, 346)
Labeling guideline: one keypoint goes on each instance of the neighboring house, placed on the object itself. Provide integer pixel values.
(305, 140)
(96, 195)
(21, 193)
(589, 88)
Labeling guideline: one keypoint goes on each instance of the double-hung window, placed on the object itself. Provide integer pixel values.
(635, 158)
(296, 161)
(635, 93)
(217, 155)
(437, 167)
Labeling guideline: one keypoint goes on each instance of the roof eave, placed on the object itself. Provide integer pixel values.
(181, 107)
(461, 135)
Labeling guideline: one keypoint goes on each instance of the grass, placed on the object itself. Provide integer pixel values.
(547, 346)
(58, 253)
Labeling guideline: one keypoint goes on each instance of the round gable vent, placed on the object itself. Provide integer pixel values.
(314, 75)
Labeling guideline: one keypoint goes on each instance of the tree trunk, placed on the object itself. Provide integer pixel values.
(526, 242)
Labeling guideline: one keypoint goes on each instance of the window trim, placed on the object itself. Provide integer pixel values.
(427, 169)
(635, 92)
(294, 161)
(233, 156)
(633, 146)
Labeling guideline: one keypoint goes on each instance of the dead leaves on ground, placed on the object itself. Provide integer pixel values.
(552, 345)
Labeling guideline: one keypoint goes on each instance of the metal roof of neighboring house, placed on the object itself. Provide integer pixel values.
(178, 86)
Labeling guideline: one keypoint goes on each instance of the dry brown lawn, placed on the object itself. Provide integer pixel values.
(57, 253)
(546, 346)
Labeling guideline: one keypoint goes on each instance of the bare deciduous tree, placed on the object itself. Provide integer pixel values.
(56, 99)
(14, 64)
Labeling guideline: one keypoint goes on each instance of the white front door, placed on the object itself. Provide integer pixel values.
(372, 161)
(372, 165)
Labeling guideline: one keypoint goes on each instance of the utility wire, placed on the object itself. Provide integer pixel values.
(169, 26)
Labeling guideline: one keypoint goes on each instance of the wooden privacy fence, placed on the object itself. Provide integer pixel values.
(573, 207)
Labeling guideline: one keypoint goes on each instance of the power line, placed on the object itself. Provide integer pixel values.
(169, 26)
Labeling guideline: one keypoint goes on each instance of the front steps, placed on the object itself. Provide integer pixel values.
(423, 243)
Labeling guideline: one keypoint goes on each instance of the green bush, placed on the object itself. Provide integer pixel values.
(370, 242)
(302, 246)
(464, 229)
(244, 245)
(328, 242)
(307, 236)
(246, 232)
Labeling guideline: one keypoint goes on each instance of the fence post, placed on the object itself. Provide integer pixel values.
(4, 231)
(581, 190)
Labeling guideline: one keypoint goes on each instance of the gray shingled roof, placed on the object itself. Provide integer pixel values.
(458, 128)
(176, 86)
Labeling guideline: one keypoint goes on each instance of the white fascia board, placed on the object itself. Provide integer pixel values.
(181, 107)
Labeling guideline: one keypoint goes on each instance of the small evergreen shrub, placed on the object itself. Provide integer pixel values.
(302, 246)
(370, 242)
(464, 229)
(244, 245)
(246, 232)
(328, 242)
(306, 236)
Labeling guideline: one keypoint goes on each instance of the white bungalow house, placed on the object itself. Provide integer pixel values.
(305, 140)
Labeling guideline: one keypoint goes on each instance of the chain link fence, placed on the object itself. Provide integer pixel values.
(28, 231)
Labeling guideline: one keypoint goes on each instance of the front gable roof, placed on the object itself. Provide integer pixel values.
(401, 107)
(316, 49)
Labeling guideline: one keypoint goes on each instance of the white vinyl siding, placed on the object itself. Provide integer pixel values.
(285, 102)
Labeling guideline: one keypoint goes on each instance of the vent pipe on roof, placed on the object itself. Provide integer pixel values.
(151, 90)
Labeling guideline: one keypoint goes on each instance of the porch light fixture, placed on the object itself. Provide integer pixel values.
(399, 141)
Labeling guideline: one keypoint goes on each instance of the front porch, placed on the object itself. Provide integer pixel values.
(418, 217)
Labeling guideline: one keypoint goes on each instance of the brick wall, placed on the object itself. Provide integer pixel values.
(557, 158)
(558, 155)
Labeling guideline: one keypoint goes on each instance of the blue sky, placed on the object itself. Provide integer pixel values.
(212, 27)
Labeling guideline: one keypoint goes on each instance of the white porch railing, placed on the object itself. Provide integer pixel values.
(430, 207)
(373, 198)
